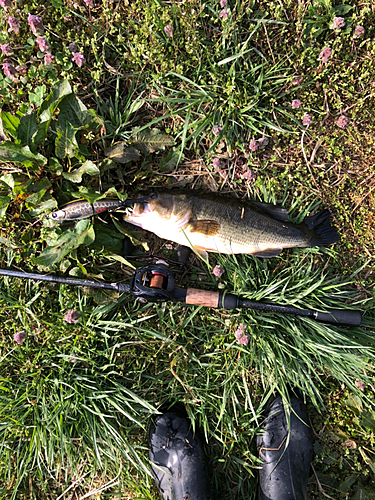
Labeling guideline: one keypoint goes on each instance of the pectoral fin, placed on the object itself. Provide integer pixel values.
(202, 252)
(207, 227)
(267, 254)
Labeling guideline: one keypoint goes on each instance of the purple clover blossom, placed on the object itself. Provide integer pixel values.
(296, 104)
(263, 142)
(43, 44)
(223, 3)
(78, 58)
(36, 25)
(248, 174)
(88, 3)
(307, 120)
(343, 121)
(6, 3)
(73, 47)
(218, 271)
(253, 145)
(14, 24)
(241, 336)
(168, 30)
(297, 81)
(325, 54)
(9, 70)
(337, 23)
(72, 316)
(19, 337)
(359, 31)
(216, 163)
(360, 385)
(6, 49)
(48, 58)
(224, 14)
(216, 130)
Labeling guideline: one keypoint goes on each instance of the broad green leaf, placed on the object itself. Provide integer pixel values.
(7, 243)
(170, 162)
(41, 134)
(27, 130)
(150, 140)
(50, 103)
(368, 420)
(44, 208)
(121, 153)
(10, 123)
(4, 204)
(73, 116)
(82, 234)
(135, 235)
(66, 142)
(88, 194)
(88, 168)
(73, 111)
(11, 152)
(108, 238)
(38, 190)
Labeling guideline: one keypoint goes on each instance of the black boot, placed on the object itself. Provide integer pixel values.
(177, 458)
(286, 453)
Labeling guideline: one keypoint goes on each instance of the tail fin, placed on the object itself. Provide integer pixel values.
(321, 231)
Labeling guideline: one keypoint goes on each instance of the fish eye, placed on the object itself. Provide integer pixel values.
(54, 215)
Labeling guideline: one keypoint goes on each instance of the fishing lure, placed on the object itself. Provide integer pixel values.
(82, 209)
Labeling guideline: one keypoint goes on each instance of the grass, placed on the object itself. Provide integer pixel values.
(75, 398)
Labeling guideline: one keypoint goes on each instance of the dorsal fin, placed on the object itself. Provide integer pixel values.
(277, 212)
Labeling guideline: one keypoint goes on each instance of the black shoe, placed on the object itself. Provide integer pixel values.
(286, 453)
(177, 458)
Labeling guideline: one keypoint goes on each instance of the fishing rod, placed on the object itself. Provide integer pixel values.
(156, 283)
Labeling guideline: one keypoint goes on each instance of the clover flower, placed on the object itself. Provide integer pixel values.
(48, 58)
(263, 142)
(218, 271)
(43, 44)
(296, 104)
(297, 81)
(343, 121)
(72, 316)
(337, 23)
(73, 47)
(88, 3)
(36, 25)
(216, 163)
(19, 337)
(307, 120)
(223, 3)
(241, 336)
(216, 130)
(78, 58)
(325, 54)
(9, 70)
(6, 49)
(224, 14)
(168, 30)
(6, 3)
(253, 145)
(359, 31)
(14, 24)
(248, 174)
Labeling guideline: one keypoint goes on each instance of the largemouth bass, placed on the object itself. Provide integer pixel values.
(213, 223)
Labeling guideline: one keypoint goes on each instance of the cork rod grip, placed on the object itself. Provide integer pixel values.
(202, 297)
